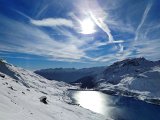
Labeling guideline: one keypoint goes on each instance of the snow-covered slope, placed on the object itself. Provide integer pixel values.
(20, 93)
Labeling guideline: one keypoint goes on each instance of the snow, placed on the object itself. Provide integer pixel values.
(146, 85)
(21, 89)
(141, 81)
(148, 81)
(129, 67)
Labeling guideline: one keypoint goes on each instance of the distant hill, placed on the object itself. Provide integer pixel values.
(69, 74)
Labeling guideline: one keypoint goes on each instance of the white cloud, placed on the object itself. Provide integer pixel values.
(50, 22)
(121, 48)
(99, 17)
(148, 48)
(31, 40)
(104, 27)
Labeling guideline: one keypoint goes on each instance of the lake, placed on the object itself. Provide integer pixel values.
(115, 107)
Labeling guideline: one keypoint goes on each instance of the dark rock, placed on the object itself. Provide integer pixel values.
(12, 88)
(28, 89)
(1, 75)
(44, 92)
(43, 99)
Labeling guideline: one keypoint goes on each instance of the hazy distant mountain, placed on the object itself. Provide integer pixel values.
(69, 74)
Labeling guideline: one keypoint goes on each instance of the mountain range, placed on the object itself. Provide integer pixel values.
(69, 74)
(136, 77)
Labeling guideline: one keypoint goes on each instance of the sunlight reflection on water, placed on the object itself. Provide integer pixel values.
(93, 100)
(116, 107)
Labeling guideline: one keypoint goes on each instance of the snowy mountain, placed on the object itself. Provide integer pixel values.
(68, 74)
(128, 67)
(135, 77)
(144, 86)
(26, 95)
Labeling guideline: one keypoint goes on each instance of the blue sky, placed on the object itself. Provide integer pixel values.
(38, 34)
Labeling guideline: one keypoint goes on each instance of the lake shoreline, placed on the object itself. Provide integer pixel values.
(117, 102)
(123, 93)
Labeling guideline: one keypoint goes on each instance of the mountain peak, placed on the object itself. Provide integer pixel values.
(2, 61)
(130, 62)
(115, 72)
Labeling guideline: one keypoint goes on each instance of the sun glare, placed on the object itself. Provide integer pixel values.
(87, 26)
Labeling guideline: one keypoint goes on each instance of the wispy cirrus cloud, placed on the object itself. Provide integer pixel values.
(146, 11)
(31, 40)
(47, 22)
(25, 38)
(146, 45)
(99, 17)
(101, 22)
(125, 33)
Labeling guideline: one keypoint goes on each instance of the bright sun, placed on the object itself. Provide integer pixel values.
(87, 26)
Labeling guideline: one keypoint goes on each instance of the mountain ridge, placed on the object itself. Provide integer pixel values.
(68, 74)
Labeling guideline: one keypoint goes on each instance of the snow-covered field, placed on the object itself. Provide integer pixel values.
(21, 89)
